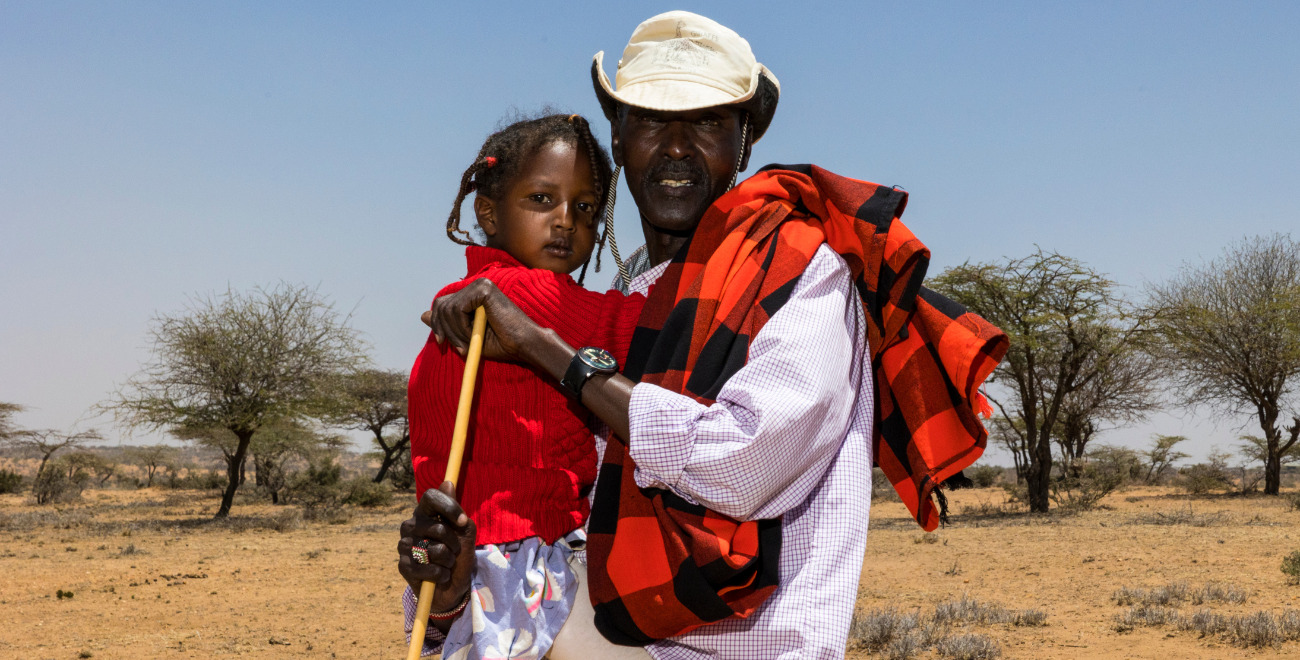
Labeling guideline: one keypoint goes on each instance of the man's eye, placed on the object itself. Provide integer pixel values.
(709, 121)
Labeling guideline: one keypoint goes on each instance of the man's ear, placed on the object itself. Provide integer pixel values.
(615, 140)
(485, 213)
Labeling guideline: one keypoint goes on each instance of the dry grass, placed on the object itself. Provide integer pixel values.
(1256, 629)
(1032, 586)
(1178, 592)
(1180, 575)
(969, 647)
(897, 635)
(1185, 515)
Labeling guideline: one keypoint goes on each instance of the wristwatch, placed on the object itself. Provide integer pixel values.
(587, 363)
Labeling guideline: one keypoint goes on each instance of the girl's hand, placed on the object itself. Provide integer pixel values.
(509, 329)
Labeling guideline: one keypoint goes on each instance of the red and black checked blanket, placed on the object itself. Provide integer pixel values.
(660, 566)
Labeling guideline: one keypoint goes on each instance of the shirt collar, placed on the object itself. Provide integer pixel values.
(642, 283)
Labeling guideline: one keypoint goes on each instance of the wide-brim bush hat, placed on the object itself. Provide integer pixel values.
(683, 61)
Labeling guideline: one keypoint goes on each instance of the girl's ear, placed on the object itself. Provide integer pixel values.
(485, 214)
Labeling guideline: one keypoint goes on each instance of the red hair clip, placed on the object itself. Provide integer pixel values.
(491, 161)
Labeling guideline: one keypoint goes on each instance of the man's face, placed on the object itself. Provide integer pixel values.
(677, 163)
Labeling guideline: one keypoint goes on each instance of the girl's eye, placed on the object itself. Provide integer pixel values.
(540, 198)
(586, 207)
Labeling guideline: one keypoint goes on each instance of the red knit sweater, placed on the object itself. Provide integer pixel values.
(530, 457)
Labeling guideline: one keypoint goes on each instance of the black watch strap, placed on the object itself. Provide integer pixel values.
(587, 362)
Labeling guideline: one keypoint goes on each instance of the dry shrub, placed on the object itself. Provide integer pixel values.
(330, 516)
(986, 510)
(1290, 624)
(1292, 500)
(1125, 596)
(1178, 592)
(1185, 516)
(1029, 618)
(1215, 592)
(985, 476)
(29, 520)
(1259, 629)
(1204, 622)
(904, 648)
(1085, 484)
(968, 610)
(54, 485)
(286, 521)
(1174, 592)
(969, 647)
(877, 629)
(1149, 616)
(1291, 567)
(1202, 478)
(10, 482)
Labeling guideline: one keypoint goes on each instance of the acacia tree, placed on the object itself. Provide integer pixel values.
(7, 412)
(47, 442)
(238, 361)
(1009, 433)
(1162, 456)
(1119, 387)
(277, 444)
(1068, 331)
(152, 458)
(373, 400)
(1230, 333)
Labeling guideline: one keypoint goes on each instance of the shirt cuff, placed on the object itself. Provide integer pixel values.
(662, 426)
(433, 638)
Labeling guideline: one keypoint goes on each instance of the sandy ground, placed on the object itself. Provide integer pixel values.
(151, 578)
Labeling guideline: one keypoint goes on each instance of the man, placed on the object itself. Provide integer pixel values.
(757, 418)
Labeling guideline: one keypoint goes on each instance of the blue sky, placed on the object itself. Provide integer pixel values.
(151, 151)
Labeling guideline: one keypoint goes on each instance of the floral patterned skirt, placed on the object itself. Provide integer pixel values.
(523, 592)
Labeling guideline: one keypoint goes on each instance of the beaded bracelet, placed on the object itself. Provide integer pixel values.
(451, 614)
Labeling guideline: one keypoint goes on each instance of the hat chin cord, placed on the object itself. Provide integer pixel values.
(740, 158)
(608, 236)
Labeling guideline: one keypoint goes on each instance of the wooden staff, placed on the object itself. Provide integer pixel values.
(458, 434)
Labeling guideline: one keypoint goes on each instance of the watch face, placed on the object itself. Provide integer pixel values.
(598, 358)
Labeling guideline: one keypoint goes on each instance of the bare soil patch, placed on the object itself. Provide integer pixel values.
(149, 575)
(1071, 567)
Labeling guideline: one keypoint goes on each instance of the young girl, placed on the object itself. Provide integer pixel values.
(530, 456)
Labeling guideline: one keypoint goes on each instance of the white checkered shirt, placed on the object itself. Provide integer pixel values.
(789, 436)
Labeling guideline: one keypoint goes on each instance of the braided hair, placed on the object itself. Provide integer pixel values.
(502, 156)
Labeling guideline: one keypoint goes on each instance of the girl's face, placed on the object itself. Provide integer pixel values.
(546, 218)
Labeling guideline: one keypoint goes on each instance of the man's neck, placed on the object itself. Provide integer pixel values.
(660, 245)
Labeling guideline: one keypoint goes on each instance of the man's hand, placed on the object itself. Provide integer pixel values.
(509, 329)
(512, 336)
(451, 535)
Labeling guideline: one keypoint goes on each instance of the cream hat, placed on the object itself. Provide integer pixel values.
(684, 61)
